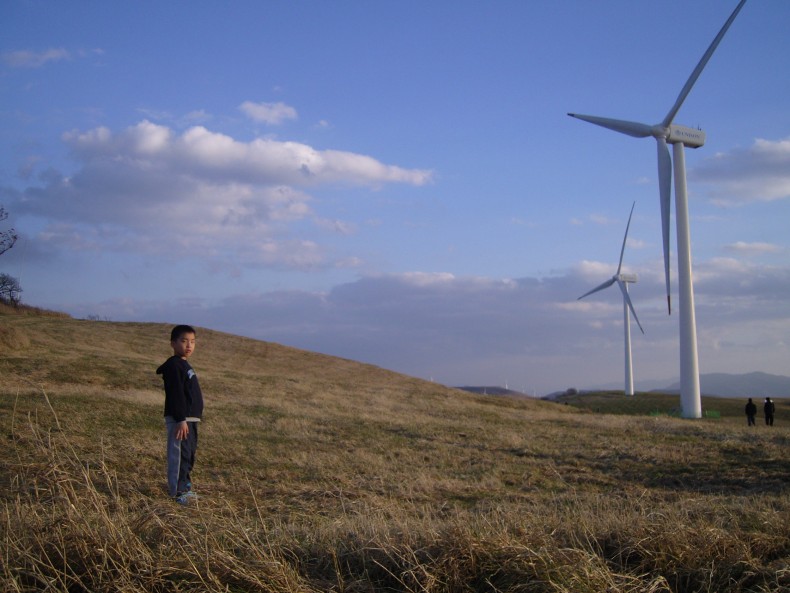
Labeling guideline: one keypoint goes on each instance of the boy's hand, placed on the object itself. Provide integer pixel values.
(182, 431)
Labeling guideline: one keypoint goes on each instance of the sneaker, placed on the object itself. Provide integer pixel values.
(185, 498)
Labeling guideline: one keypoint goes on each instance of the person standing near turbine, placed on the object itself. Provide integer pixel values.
(768, 410)
(751, 412)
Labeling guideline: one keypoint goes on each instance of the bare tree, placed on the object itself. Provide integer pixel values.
(7, 238)
(9, 289)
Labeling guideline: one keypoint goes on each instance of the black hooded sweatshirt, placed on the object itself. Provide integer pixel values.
(183, 398)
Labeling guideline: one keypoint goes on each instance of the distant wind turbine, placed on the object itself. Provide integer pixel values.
(666, 132)
(622, 281)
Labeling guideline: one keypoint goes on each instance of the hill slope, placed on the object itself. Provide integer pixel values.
(319, 474)
(756, 385)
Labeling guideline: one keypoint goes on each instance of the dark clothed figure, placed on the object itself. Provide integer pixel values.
(768, 410)
(183, 412)
(751, 412)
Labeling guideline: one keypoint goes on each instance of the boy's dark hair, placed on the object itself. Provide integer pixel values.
(180, 330)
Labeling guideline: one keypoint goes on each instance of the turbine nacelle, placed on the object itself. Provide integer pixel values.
(630, 278)
(690, 137)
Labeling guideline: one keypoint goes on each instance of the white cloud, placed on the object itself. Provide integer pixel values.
(636, 243)
(336, 226)
(601, 219)
(269, 113)
(33, 59)
(594, 269)
(598, 219)
(154, 114)
(207, 154)
(340, 166)
(760, 173)
(530, 331)
(756, 248)
(242, 199)
(197, 116)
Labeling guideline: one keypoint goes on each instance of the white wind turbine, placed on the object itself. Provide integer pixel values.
(666, 132)
(622, 281)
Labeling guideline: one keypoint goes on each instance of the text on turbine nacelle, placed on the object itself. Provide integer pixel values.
(690, 137)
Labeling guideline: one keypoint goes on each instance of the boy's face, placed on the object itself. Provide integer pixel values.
(184, 345)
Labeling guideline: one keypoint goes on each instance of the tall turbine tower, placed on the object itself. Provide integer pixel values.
(622, 281)
(666, 132)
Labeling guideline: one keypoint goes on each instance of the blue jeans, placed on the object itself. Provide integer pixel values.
(180, 457)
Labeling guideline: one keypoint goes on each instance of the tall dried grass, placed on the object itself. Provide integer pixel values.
(69, 524)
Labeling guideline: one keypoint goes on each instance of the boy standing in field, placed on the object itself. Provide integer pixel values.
(183, 409)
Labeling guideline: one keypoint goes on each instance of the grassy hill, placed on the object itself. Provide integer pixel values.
(321, 474)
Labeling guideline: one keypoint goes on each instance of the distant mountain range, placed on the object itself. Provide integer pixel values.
(756, 385)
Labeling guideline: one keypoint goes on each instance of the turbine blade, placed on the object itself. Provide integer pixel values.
(627, 298)
(630, 128)
(665, 191)
(625, 237)
(606, 284)
(700, 66)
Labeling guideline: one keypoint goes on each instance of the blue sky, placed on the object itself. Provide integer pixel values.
(398, 182)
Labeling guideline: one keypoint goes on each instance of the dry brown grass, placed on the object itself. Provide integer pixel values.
(320, 474)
